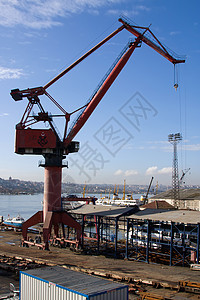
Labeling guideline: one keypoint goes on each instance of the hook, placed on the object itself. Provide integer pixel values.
(175, 78)
(176, 86)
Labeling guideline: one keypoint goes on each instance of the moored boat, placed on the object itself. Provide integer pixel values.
(14, 222)
(126, 200)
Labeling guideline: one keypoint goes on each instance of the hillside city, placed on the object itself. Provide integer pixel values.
(16, 186)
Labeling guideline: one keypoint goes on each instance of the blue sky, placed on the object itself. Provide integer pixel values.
(41, 38)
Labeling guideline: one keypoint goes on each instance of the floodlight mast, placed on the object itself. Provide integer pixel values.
(174, 139)
(48, 142)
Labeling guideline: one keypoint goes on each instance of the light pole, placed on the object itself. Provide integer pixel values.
(174, 139)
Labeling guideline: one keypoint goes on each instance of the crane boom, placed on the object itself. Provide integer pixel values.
(159, 48)
(19, 94)
(183, 175)
(101, 92)
(140, 36)
(32, 94)
(146, 197)
(83, 57)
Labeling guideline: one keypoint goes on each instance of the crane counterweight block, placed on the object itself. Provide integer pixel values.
(34, 141)
(40, 142)
(18, 95)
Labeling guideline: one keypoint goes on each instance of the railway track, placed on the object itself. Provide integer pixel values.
(137, 289)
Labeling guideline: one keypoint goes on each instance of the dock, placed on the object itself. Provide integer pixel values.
(133, 272)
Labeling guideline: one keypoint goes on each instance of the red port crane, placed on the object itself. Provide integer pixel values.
(47, 142)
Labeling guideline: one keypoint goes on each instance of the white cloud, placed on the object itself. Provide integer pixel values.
(167, 170)
(166, 146)
(194, 147)
(44, 13)
(126, 173)
(118, 172)
(4, 115)
(191, 147)
(130, 172)
(125, 13)
(154, 170)
(174, 32)
(8, 73)
(151, 170)
(142, 8)
(132, 12)
(157, 142)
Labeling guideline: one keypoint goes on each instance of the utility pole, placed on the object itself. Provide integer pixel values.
(174, 139)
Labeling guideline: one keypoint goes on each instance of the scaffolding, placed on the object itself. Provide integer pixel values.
(104, 232)
(162, 242)
(135, 235)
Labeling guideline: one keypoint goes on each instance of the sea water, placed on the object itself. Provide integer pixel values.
(27, 205)
(23, 205)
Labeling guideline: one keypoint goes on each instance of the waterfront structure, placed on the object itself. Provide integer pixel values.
(189, 198)
(166, 236)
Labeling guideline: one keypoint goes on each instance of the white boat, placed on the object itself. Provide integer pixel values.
(71, 202)
(127, 202)
(116, 201)
(68, 205)
(14, 222)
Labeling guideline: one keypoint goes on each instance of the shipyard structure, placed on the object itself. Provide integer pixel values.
(188, 198)
(161, 235)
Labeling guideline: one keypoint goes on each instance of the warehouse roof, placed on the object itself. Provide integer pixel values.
(74, 281)
(105, 211)
(177, 216)
(158, 204)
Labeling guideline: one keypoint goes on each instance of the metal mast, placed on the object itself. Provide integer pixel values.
(174, 139)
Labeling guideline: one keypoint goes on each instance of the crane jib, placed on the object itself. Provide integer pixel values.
(32, 94)
(102, 91)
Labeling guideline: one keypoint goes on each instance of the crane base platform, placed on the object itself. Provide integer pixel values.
(53, 218)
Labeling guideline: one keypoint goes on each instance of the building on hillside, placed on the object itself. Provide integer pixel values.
(189, 198)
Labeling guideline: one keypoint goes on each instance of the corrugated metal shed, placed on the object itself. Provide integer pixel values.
(105, 211)
(177, 216)
(57, 283)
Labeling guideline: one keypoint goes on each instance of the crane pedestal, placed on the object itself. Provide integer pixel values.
(53, 218)
(52, 214)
